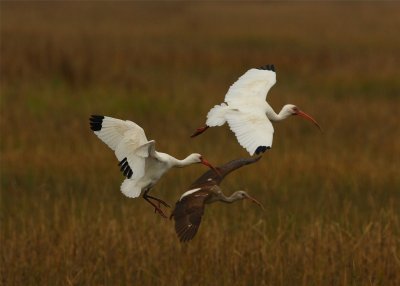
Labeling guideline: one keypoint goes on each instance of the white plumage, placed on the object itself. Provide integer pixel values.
(140, 163)
(189, 192)
(254, 85)
(251, 129)
(247, 113)
(130, 188)
(129, 141)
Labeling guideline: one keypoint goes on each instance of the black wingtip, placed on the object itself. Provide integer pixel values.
(262, 149)
(96, 122)
(267, 68)
(122, 162)
(130, 174)
(125, 168)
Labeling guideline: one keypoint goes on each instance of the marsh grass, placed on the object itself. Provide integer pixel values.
(331, 198)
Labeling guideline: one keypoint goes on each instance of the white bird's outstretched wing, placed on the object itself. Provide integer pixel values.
(254, 84)
(132, 157)
(253, 131)
(129, 142)
(111, 130)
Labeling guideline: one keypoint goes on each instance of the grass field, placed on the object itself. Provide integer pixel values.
(332, 199)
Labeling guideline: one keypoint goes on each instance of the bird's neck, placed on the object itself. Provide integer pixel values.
(181, 163)
(228, 200)
(273, 116)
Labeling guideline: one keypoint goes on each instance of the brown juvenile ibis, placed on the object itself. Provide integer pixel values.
(205, 190)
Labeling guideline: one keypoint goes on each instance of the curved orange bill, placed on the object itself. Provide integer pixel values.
(255, 201)
(308, 117)
(208, 164)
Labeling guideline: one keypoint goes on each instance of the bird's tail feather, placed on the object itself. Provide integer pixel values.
(130, 189)
(216, 116)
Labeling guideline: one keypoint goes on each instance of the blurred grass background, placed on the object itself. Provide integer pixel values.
(332, 199)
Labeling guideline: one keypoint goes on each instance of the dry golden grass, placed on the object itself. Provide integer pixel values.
(332, 199)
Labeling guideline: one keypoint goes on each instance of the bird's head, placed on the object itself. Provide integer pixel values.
(291, 109)
(198, 158)
(242, 195)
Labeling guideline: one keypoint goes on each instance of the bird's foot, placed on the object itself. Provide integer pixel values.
(159, 201)
(199, 131)
(157, 207)
(159, 211)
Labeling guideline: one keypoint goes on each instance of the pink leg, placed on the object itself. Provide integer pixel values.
(200, 130)
(157, 209)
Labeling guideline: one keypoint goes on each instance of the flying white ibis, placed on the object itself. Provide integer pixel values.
(205, 190)
(248, 114)
(140, 163)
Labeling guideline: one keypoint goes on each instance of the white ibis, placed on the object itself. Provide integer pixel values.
(205, 190)
(140, 163)
(248, 114)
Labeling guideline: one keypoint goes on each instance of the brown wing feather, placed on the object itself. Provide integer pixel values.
(189, 210)
(188, 213)
(224, 170)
